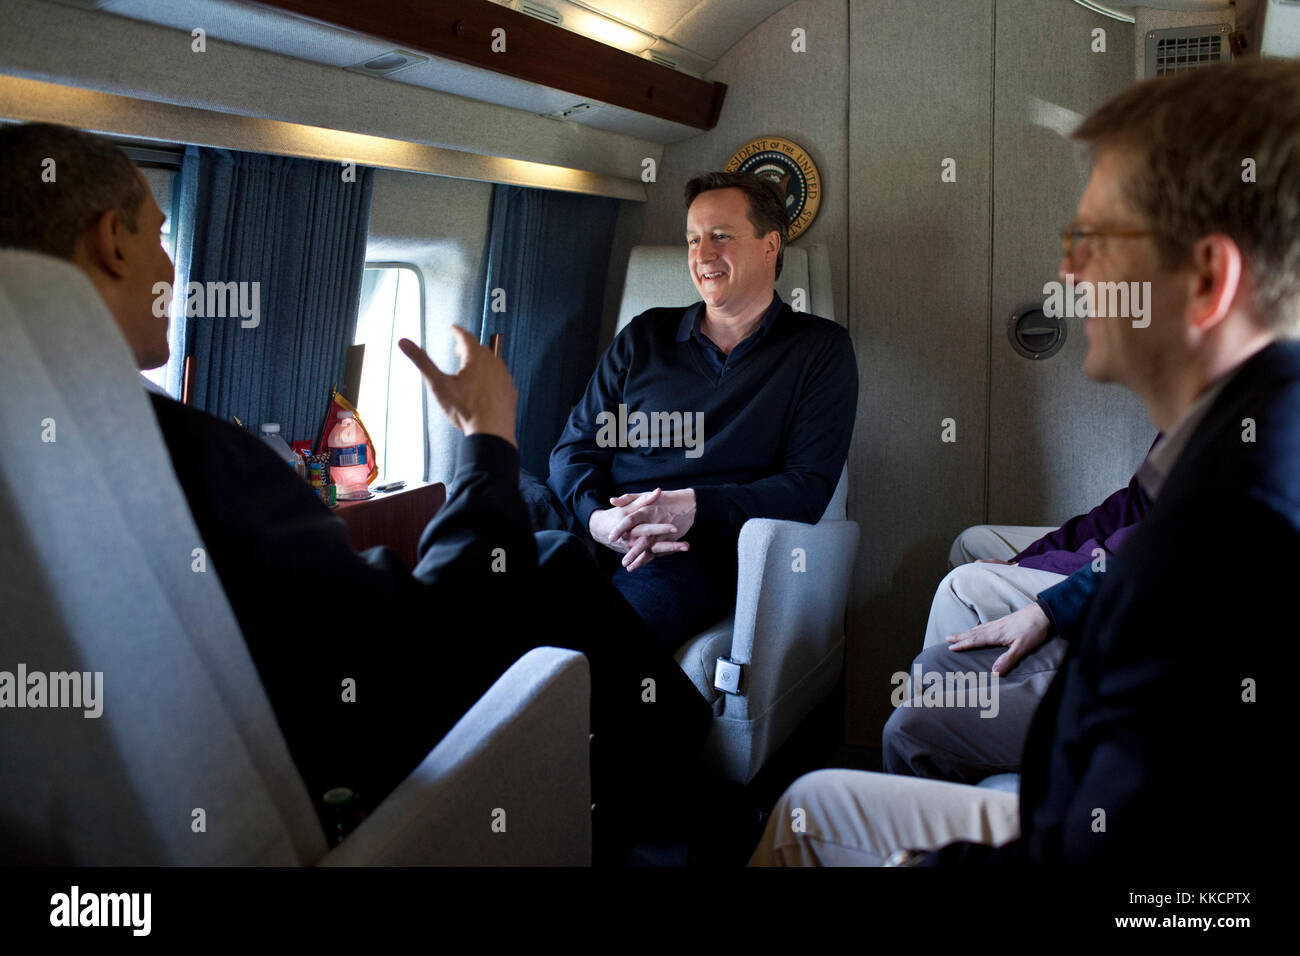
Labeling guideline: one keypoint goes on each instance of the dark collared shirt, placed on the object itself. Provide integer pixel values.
(719, 360)
(773, 419)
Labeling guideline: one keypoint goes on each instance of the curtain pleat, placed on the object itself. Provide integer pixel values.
(549, 253)
(298, 230)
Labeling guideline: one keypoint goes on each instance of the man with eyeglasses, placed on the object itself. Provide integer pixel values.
(1149, 745)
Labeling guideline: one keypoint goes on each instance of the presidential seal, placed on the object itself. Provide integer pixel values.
(789, 166)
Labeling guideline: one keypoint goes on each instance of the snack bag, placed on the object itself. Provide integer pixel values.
(340, 404)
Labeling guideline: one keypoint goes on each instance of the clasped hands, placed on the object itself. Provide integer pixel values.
(646, 525)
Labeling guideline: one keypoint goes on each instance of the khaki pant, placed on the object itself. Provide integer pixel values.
(855, 818)
(968, 743)
(977, 593)
(1000, 541)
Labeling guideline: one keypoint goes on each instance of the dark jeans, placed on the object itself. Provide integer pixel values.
(676, 595)
(623, 658)
(647, 718)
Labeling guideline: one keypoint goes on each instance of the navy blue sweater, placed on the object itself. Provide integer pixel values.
(775, 420)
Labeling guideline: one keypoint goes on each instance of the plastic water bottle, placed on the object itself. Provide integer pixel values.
(271, 435)
(349, 467)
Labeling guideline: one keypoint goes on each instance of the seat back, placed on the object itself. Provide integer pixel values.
(102, 572)
(792, 656)
(659, 276)
(836, 508)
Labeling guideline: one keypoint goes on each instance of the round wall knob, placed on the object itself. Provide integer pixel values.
(1034, 335)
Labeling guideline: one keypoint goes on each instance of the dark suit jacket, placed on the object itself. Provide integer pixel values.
(1146, 748)
(422, 646)
(315, 613)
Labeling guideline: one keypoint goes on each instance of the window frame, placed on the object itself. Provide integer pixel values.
(419, 279)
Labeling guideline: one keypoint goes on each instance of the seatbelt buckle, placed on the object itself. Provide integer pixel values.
(729, 676)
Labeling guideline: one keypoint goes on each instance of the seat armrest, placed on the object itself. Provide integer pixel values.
(792, 588)
(509, 785)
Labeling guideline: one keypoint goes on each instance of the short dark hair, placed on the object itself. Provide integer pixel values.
(766, 203)
(91, 177)
(1191, 134)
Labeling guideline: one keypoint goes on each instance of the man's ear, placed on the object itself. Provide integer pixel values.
(1217, 274)
(774, 243)
(102, 243)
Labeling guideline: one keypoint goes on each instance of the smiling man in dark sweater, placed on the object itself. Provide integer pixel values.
(698, 419)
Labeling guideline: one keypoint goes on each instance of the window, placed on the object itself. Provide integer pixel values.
(162, 182)
(391, 397)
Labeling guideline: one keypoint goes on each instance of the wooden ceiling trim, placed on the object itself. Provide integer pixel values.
(535, 51)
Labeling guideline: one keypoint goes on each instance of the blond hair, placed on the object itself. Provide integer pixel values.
(1199, 138)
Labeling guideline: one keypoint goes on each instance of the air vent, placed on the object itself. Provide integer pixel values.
(386, 64)
(540, 11)
(571, 111)
(1186, 48)
(659, 58)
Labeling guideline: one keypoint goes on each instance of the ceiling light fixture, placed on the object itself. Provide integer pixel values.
(386, 64)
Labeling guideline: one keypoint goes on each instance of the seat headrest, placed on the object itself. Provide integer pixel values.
(659, 276)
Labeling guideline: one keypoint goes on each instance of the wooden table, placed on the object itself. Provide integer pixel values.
(393, 518)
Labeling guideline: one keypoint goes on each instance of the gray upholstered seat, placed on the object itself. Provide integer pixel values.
(100, 572)
(788, 629)
(1006, 782)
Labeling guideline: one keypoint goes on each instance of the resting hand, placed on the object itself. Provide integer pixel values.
(481, 397)
(645, 526)
(1021, 632)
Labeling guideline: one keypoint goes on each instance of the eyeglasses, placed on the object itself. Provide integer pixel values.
(1072, 238)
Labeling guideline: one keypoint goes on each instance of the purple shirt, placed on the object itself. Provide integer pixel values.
(1070, 546)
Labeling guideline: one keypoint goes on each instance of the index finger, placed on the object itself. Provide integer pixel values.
(650, 529)
(1003, 665)
(627, 524)
(464, 342)
(963, 641)
(421, 360)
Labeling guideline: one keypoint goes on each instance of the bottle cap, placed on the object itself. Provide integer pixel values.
(338, 796)
(346, 415)
(270, 428)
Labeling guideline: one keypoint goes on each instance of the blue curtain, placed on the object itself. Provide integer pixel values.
(298, 229)
(548, 252)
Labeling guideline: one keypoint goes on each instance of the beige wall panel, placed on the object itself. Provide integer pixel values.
(919, 93)
(1058, 443)
(440, 225)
